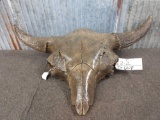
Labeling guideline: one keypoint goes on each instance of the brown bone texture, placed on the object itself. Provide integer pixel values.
(83, 57)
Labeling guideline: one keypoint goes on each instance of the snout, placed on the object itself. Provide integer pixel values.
(82, 84)
(82, 107)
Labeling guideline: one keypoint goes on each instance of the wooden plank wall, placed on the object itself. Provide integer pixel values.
(59, 17)
(138, 11)
(8, 40)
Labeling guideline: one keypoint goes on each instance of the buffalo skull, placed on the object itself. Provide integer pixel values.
(83, 57)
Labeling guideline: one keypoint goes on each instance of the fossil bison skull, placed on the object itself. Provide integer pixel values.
(83, 57)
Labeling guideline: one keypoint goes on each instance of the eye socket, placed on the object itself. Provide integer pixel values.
(50, 65)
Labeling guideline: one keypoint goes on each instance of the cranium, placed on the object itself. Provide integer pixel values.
(83, 57)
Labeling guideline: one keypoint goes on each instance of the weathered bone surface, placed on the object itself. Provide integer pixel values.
(83, 57)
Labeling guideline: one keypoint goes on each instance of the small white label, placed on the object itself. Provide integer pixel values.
(129, 64)
(44, 75)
